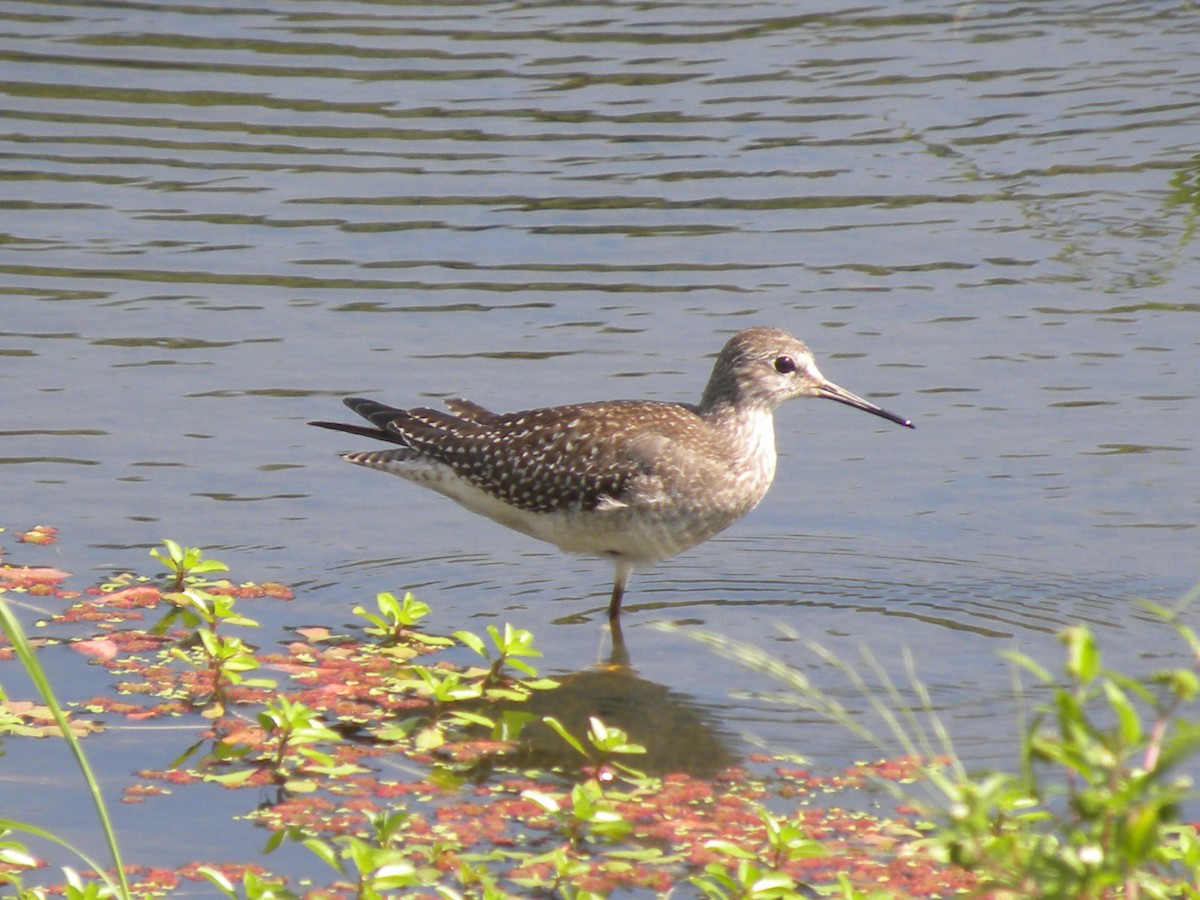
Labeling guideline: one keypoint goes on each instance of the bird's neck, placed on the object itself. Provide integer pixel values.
(719, 398)
(726, 395)
(747, 436)
(748, 431)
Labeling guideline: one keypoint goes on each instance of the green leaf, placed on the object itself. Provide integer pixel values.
(219, 879)
(12, 854)
(1129, 723)
(545, 801)
(1142, 833)
(598, 732)
(474, 641)
(1182, 744)
(325, 852)
(772, 882)
(1083, 657)
(1027, 663)
(463, 716)
(564, 734)
(729, 848)
(231, 779)
(1183, 683)
(429, 738)
(274, 841)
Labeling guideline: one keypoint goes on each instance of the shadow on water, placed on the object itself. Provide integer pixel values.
(678, 733)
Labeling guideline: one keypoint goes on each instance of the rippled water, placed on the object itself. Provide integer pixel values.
(218, 221)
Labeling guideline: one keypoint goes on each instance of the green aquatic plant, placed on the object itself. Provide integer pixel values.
(252, 887)
(224, 658)
(285, 748)
(185, 564)
(459, 700)
(377, 865)
(205, 608)
(1092, 812)
(585, 814)
(470, 818)
(757, 873)
(746, 880)
(395, 620)
(605, 747)
(567, 874)
(510, 648)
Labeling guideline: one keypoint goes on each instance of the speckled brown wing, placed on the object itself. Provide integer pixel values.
(579, 457)
(472, 412)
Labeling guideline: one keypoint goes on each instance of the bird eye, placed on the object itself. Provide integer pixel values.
(784, 365)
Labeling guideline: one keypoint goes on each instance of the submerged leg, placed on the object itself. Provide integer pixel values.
(618, 656)
(620, 579)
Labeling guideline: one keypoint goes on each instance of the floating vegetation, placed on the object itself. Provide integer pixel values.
(406, 772)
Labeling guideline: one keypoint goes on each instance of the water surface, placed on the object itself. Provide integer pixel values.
(217, 222)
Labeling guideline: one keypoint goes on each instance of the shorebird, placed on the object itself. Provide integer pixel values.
(634, 481)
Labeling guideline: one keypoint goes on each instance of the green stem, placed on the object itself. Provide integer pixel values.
(16, 636)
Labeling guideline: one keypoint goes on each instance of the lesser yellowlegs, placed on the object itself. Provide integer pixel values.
(635, 481)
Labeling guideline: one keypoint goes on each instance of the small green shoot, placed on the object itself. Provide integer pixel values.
(588, 814)
(508, 649)
(378, 865)
(396, 620)
(185, 564)
(253, 886)
(606, 744)
(745, 881)
(787, 841)
(288, 752)
(226, 659)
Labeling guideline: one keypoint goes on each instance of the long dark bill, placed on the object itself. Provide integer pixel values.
(831, 391)
(361, 430)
